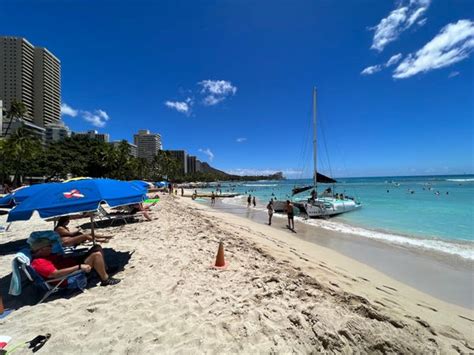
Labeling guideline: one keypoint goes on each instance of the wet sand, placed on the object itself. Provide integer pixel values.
(445, 277)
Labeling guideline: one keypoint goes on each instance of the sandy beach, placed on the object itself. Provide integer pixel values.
(279, 294)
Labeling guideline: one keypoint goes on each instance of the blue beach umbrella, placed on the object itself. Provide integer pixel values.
(21, 194)
(141, 184)
(60, 199)
(160, 183)
(7, 201)
(24, 193)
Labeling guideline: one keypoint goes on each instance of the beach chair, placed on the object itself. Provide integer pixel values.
(76, 280)
(102, 214)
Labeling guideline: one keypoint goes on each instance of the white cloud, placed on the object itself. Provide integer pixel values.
(67, 110)
(240, 140)
(216, 91)
(103, 114)
(180, 106)
(452, 44)
(453, 74)
(371, 70)
(422, 22)
(207, 151)
(394, 59)
(98, 118)
(399, 20)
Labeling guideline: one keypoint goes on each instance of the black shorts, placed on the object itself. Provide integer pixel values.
(290, 215)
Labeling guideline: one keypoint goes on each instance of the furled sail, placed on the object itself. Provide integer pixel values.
(320, 178)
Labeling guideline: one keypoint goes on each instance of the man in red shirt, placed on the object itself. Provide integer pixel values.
(51, 266)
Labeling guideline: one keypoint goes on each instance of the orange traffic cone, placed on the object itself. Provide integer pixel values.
(220, 261)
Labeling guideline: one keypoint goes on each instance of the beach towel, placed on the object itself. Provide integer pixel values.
(20, 258)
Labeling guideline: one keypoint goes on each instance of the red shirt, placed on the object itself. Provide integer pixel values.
(46, 265)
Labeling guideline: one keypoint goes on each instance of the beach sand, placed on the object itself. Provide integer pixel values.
(278, 294)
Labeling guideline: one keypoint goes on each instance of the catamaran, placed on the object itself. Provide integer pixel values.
(327, 203)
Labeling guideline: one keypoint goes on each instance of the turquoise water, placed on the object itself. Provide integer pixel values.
(430, 208)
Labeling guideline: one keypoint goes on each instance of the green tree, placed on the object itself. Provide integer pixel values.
(17, 111)
(21, 150)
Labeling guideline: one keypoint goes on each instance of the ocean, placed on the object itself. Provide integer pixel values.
(430, 212)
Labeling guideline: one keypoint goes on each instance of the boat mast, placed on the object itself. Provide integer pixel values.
(315, 174)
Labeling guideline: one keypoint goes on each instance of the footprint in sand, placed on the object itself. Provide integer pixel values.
(385, 291)
(466, 318)
(427, 307)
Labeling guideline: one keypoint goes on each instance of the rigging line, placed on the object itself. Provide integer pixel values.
(326, 148)
(301, 155)
(304, 153)
(343, 160)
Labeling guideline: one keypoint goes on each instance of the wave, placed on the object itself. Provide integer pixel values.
(459, 249)
(452, 248)
(261, 185)
(461, 180)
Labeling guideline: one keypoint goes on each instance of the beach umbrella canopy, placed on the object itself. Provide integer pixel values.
(60, 199)
(21, 194)
(161, 183)
(7, 201)
(141, 184)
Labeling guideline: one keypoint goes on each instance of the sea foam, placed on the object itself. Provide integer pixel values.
(460, 180)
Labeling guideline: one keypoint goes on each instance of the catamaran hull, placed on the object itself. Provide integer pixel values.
(279, 205)
(330, 209)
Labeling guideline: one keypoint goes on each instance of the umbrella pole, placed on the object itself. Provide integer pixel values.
(92, 230)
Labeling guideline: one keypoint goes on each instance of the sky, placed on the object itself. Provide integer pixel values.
(231, 81)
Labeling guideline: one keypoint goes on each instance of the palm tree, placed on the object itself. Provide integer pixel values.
(21, 149)
(17, 111)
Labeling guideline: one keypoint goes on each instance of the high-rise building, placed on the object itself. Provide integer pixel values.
(31, 76)
(47, 87)
(57, 132)
(93, 134)
(191, 164)
(182, 157)
(148, 144)
(132, 148)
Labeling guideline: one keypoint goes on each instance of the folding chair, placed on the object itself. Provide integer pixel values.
(75, 280)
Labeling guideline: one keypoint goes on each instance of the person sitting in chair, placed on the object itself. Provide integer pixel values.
(51, 266)
(72, 238)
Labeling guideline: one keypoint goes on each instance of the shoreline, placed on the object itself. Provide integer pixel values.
(439, 247)
(444, 276)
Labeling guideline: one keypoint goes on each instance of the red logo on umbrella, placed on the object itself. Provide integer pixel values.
(73, 194)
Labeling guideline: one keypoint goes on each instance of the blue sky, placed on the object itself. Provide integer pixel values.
(230, 81)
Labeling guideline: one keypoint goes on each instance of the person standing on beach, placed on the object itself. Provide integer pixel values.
(213, 198)
(290, 212)
(182, 192)
(270, 211)
(254, 202)
(249, 200)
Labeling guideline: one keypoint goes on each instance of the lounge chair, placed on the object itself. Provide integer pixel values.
(102, 214)
(75, 280)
